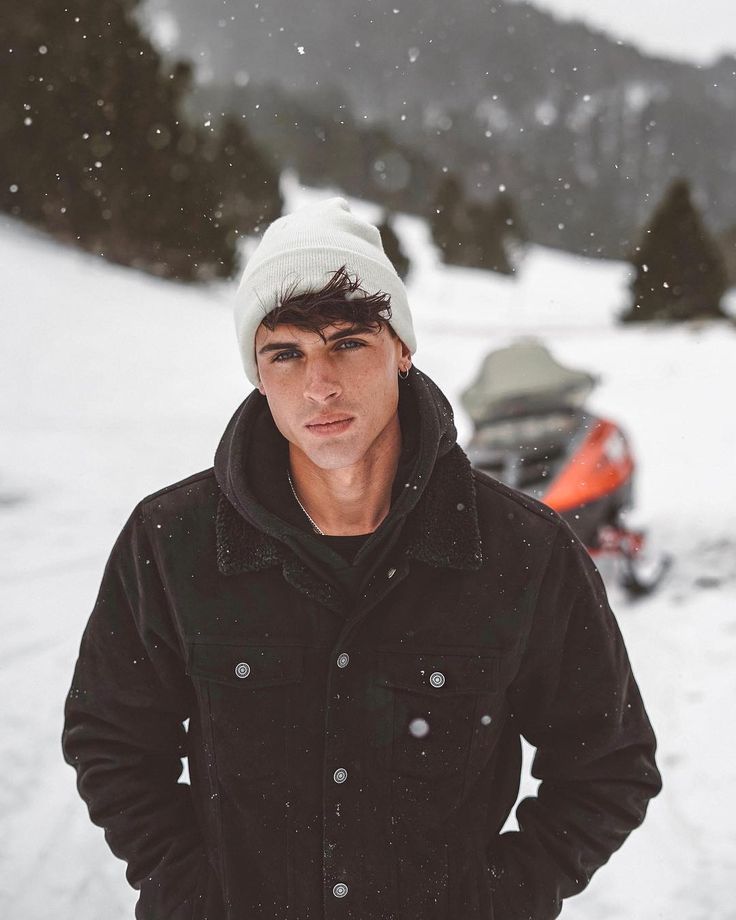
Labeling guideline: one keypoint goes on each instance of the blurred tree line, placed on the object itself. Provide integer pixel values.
(315, 134)
(93, 147)
(105, 144)
(474, 234)
(682, 271)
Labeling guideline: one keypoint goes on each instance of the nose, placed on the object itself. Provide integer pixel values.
(320, 383)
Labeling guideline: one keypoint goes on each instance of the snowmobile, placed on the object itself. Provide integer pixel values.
(532, 432)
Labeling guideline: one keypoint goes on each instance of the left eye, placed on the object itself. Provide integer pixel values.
(345, 345)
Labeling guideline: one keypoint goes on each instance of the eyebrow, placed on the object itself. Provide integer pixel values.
(357, 329)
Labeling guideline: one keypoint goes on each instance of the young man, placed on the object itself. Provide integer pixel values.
(358, 628)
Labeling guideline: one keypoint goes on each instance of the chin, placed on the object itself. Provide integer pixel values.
(334, 458)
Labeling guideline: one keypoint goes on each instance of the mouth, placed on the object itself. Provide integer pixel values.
(333, 426)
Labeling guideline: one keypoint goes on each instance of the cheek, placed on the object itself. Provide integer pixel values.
(383, 400)
(278, 403)
(282, 422)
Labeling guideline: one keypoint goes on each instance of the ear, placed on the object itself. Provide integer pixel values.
(405, 363)
(260, 388)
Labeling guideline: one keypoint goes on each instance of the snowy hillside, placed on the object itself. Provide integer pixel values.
(116, 384)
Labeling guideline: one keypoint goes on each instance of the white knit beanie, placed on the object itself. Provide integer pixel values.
(300, 252)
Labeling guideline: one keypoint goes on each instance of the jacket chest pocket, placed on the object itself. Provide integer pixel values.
(442, 711)
(248, 693)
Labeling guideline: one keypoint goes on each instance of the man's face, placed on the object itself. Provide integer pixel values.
(334, 400)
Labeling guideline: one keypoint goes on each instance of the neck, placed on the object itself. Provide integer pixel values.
(352, 499)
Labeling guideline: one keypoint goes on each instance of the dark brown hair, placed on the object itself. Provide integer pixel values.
(341, 300)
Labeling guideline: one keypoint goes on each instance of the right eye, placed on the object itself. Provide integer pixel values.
(284, 356)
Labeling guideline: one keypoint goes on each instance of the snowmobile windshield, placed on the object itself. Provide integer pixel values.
(521, 380)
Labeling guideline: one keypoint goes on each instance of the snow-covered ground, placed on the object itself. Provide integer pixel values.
(115, 384)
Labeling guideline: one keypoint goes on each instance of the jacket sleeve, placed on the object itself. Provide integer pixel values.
(124, 732)
(575, 699)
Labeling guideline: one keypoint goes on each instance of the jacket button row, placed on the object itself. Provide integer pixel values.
(342, 660)
(437, 679)
(340, 890)
(340, 775)
(242, 669)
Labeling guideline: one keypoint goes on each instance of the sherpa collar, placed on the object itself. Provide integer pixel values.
(442, 531)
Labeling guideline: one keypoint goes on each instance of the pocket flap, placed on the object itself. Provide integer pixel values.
(246, 665)
(439, 673)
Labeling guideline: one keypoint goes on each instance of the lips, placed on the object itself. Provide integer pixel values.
(329, 425)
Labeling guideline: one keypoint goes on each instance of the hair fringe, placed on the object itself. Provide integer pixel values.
(341, 300)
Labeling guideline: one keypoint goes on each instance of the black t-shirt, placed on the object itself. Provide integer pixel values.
(350, 577)
(347, 547)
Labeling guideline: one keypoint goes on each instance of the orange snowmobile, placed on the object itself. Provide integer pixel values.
(532, 433)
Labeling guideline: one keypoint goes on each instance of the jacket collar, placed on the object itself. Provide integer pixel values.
(441, 531)
(433, 515)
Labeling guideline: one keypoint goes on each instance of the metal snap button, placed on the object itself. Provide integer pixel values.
(340, 890)
(340, 775)
(437, 679)
(342, 660)
(486, 719)
(242, 669)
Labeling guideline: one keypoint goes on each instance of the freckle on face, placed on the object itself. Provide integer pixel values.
(327, 380)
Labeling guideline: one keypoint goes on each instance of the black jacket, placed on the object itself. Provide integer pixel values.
(355, 758)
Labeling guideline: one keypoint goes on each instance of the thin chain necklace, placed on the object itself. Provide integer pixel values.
(316, 529)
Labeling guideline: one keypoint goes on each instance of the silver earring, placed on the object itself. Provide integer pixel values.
(405, 374)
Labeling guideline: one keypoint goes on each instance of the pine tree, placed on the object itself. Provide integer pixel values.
(474, 234)
(510, 230)
(94, 144)
(727, 246)
(246, 183)
(680, 272)
(392, 247)
(447, 206)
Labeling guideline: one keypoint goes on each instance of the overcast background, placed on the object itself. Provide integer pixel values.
(699, 32)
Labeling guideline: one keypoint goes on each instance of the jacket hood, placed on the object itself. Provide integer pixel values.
(252, 453)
